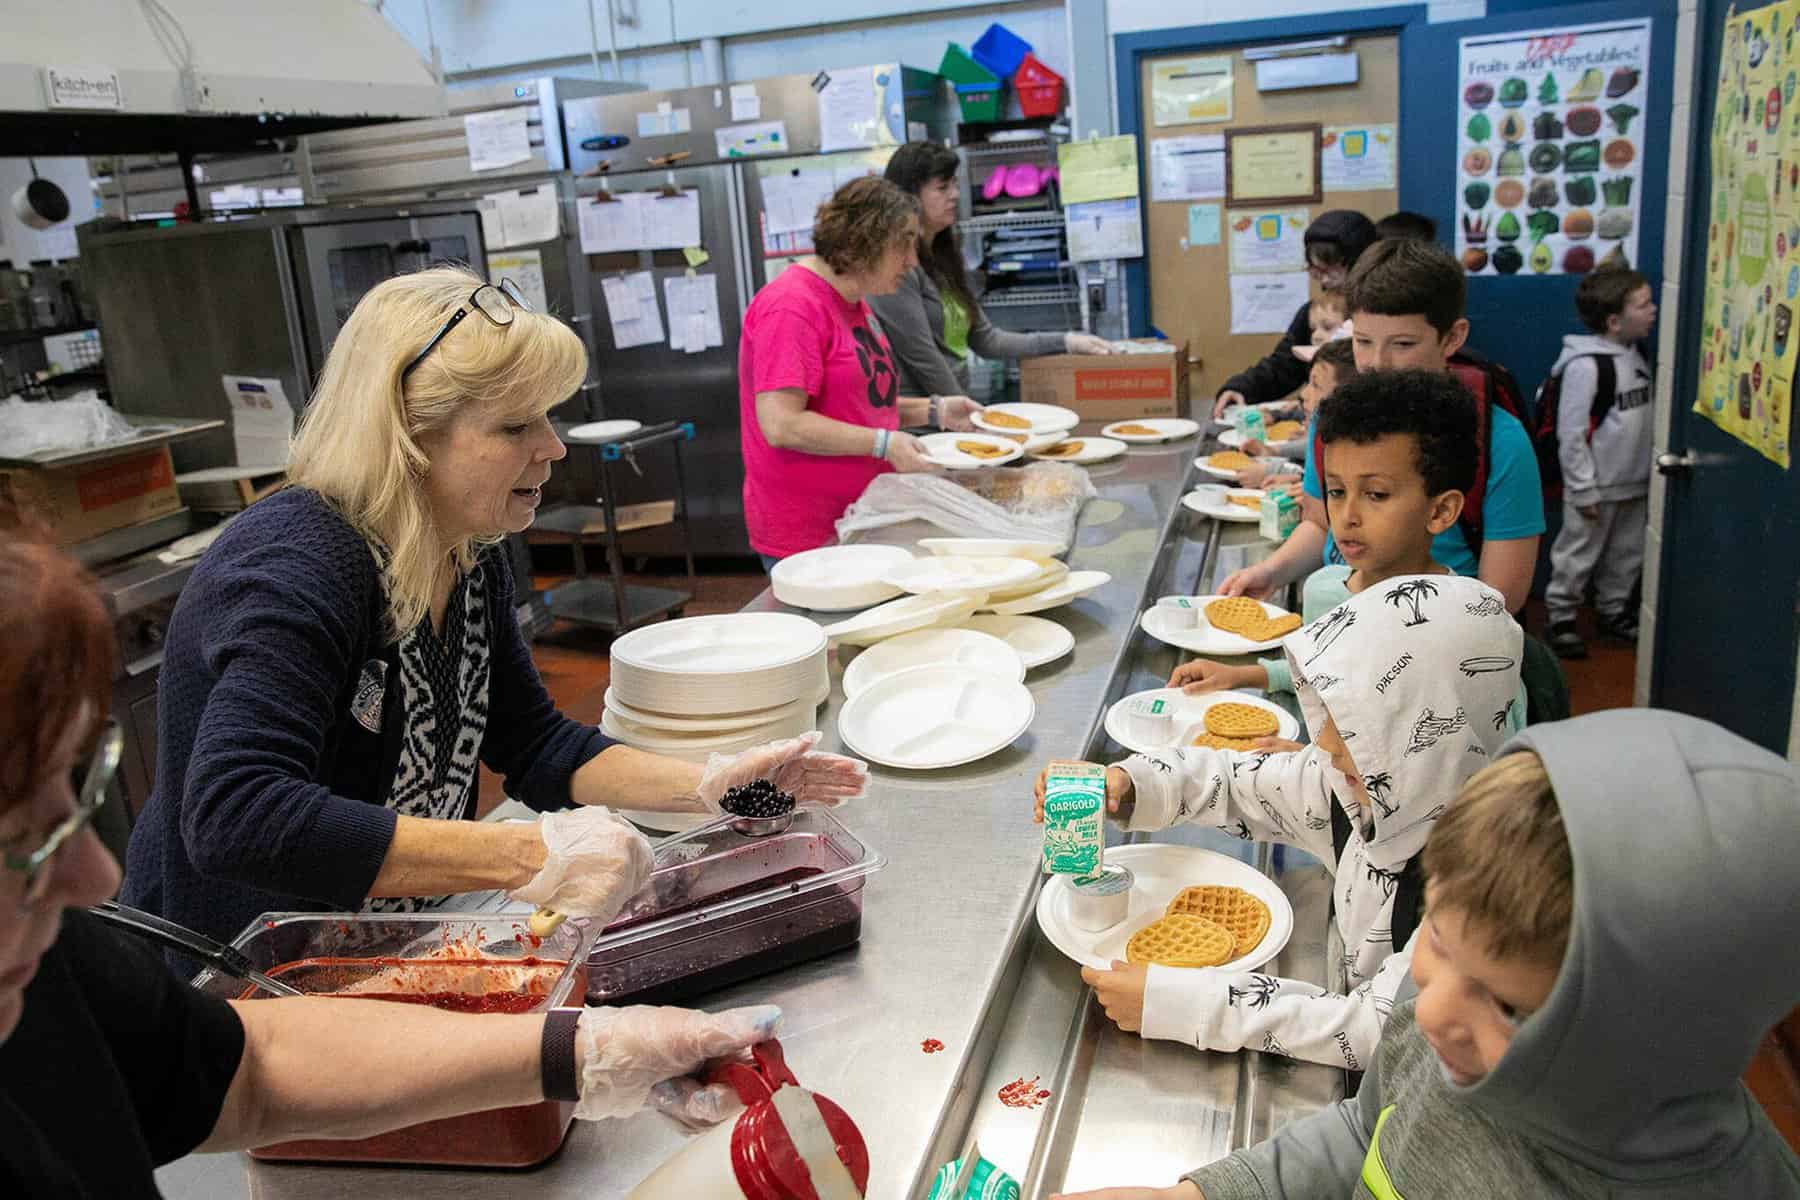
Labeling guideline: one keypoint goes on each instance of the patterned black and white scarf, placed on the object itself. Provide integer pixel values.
(444, 693)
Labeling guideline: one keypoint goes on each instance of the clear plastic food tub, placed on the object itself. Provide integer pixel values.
(732, 907)
(465, 964)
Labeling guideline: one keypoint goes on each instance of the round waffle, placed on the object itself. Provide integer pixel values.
(1228, 460)
(1135, 430)
(1231, 908)
(1245, 501)
(1006, 420)
(1246, 618)
(1180, 940)
(1062, 450)
(1284, 431)
(1241, 721)
(1213, 741)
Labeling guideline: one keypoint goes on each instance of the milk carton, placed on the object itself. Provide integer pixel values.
(1074, 807)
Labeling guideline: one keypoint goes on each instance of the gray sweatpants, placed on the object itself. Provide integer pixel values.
(1608, 549)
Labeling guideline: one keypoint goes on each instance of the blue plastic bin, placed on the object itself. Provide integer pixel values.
(1000, 50)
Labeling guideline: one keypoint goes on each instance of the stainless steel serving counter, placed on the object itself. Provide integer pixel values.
(950, 950)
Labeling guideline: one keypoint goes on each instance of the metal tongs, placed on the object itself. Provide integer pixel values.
(217, 955)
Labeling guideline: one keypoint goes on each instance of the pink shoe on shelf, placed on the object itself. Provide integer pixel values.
(1053, 177)
(1023, 181)
(994, 184)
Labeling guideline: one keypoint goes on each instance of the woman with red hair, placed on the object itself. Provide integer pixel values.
(110, 1065)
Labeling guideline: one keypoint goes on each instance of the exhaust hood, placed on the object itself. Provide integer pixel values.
(133, 76)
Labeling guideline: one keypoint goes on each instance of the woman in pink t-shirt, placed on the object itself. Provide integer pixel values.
(818, 394)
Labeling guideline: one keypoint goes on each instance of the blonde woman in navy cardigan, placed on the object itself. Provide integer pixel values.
(346, 655)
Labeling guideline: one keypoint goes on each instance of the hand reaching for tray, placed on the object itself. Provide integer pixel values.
(627, 1057)
(793, 766)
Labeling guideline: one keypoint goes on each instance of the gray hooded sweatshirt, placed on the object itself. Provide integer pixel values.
(1613, 464)
(1683, 954)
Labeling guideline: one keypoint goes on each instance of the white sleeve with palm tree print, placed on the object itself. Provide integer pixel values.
(1210, 1009)
(1254, 796)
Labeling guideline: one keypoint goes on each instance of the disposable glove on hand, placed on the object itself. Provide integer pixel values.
(627, 1057)
(793, 766)
(594, 861)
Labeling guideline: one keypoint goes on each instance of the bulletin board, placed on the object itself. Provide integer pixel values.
(1190, 284)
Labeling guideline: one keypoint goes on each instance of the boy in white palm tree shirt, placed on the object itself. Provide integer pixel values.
(1408, 687)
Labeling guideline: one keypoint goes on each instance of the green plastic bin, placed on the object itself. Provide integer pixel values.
(977, 88)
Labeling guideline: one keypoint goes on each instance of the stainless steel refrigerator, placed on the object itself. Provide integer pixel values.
(697, 130)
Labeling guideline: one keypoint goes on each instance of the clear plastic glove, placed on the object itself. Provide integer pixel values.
(1086, 343)
(793, 766)
(906, 454)
(625, 1055)
(594, 862)
(954, 413)
(1225, 400)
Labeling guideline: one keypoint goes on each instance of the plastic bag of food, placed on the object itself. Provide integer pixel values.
(1038, 503)
(30, 427)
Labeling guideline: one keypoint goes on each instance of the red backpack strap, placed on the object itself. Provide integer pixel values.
(1480, 384)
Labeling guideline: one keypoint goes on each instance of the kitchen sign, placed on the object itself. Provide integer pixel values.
(83, 87)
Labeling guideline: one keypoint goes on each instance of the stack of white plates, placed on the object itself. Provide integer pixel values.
(715, 684)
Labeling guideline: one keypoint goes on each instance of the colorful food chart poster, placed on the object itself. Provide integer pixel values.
(1550, 148)
(1748, 334)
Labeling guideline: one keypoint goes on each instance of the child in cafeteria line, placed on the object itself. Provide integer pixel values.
(1330, 322)
(1335, 363)
(1406, 688)
(1608, 937)
(1603, 445)
(1399, 458)
(1406, 303)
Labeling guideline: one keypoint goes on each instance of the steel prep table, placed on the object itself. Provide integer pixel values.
(950, 950)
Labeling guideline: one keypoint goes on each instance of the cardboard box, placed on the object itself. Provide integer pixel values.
(1111, 388)
(86, 500)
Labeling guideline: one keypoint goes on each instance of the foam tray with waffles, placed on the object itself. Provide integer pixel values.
(1174, 888)
(1226, 625)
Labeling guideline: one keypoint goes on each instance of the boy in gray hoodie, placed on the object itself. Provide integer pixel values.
(1605, 463)
(1608, 935)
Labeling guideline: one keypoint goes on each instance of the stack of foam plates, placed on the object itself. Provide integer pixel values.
(727, 664)
(838, 578)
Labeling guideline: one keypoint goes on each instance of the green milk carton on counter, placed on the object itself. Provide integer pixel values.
(1280, 514)
(1074, 804)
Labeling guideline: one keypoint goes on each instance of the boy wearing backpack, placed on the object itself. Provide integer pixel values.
(1594, 430)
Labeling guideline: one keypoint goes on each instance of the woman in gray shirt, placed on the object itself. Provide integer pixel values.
(933, 320)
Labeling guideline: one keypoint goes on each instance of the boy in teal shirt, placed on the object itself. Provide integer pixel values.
(1406, 305)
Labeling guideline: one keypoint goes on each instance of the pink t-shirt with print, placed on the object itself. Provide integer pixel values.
(800, 333)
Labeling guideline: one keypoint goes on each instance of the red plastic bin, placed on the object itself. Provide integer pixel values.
(1039, 88)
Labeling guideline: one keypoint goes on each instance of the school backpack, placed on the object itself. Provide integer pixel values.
(1490, 384)
(1549, 401)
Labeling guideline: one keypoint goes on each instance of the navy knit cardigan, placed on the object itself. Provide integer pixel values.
(269, 793)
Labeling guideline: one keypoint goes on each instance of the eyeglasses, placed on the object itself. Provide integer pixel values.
(497, 302)
(101, 767)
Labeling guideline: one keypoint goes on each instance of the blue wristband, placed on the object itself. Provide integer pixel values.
(881, 443)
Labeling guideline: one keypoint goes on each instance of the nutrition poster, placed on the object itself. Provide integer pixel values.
(1752, 265)
(1550, 151)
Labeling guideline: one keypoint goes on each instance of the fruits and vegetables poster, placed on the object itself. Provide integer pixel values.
(1550, 149)
(1748, 339)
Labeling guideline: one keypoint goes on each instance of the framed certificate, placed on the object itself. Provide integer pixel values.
(1273, 164)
